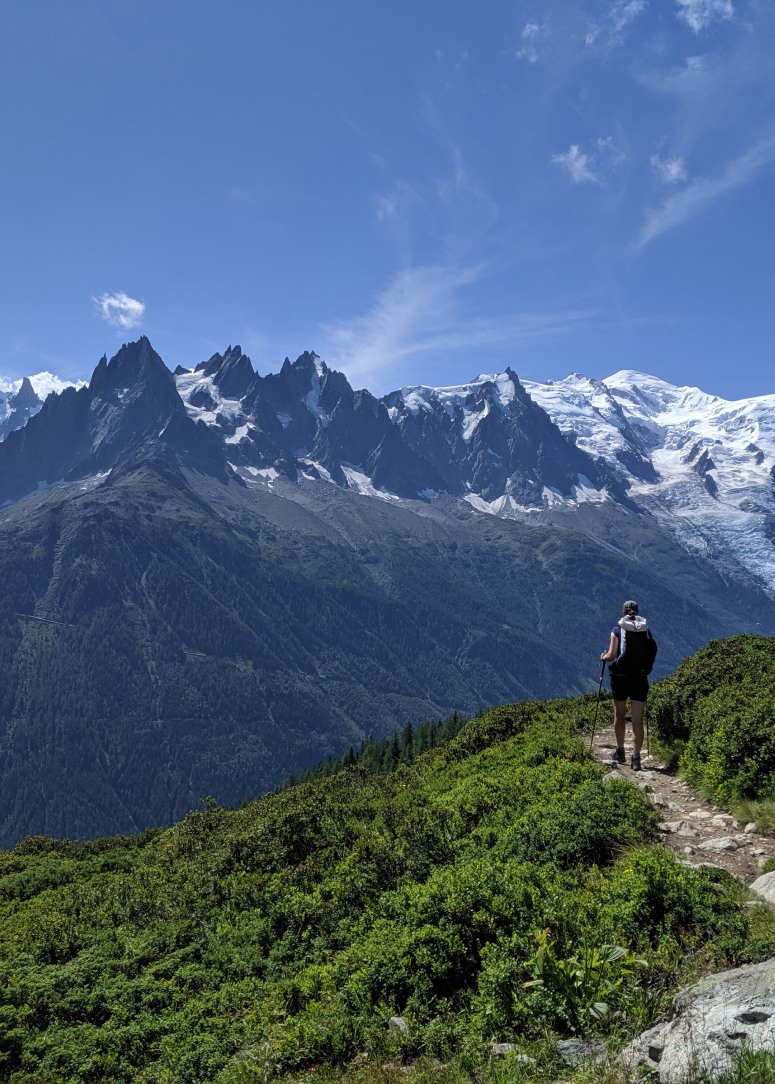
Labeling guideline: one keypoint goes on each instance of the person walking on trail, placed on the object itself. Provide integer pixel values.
(631, 653)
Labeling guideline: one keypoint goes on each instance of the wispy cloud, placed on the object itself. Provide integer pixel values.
(609, 155)
(577, 165)
(530, 36)
(420, 314)
(119, 310)
(669, 170)
(707, 190)
(701, 13)
(595, 168)
(623, 12)
(397, 204)
(610, 32)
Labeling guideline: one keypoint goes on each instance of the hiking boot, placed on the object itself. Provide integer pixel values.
(635, 762)
(618, 755)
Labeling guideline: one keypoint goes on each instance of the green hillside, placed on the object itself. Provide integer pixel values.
(462, 892)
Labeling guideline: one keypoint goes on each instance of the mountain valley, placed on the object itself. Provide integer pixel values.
(215, 578)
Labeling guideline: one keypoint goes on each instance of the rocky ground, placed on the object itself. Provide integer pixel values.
(696, 830)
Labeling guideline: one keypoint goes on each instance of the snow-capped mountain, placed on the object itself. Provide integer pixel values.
(486, 442)
(702, 465)
(20, 399)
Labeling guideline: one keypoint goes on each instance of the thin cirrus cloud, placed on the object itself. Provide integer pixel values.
(669, 170)
(119, 310)
(698, 14)
(705, 191)
(418, 315)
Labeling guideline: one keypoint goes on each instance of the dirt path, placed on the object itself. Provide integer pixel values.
(697, 831)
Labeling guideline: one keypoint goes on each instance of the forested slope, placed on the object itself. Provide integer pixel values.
(165, 637)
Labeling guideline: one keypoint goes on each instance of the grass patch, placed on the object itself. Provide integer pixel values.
(762, 813)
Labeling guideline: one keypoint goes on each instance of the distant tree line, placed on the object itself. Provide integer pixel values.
(381, 757)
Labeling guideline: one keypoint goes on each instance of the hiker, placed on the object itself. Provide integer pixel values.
(631, 654)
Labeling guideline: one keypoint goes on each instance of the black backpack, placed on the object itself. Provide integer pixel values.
(637, 655)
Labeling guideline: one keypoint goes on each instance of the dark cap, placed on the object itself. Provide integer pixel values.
(630, 607)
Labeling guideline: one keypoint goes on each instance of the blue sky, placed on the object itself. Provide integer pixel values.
(419, 190)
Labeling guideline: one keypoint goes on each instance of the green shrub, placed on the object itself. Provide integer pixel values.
(720, 706)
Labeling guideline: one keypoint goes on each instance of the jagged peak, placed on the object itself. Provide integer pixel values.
(135, 361)
(310, 360)
(26, 397)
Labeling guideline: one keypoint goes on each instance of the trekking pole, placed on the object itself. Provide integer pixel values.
(597, 705)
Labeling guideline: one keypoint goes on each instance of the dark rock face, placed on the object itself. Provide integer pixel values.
(130, 409)
(703, 465)
(496, 442)
(307, 417)
(232, 372)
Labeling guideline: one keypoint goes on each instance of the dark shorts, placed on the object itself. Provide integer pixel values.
(629, 686)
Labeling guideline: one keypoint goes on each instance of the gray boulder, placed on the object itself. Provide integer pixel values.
(724, 843)
(711, 1021)
(579, 1052)
(764, 886)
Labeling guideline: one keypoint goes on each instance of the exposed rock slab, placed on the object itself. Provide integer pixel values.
(711, 1022)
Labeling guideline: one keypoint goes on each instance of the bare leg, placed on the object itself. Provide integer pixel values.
(637, 725)
(620, 710)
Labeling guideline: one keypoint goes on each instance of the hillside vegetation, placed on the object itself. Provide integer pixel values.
(495, 888)
(718, 712)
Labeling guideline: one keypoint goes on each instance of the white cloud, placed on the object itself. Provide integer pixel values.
(624, 11)
(701, 13)
(119, 310)
(705, 191)
(418, 315)
(529, 49)
(669, 170)
(577, 165)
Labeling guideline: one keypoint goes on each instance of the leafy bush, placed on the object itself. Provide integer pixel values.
(584, 987)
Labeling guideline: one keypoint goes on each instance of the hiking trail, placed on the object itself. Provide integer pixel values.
(698, 832)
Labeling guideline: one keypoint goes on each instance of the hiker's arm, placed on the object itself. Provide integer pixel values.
(613, 649)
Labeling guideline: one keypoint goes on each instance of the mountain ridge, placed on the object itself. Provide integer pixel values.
(702, 465)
